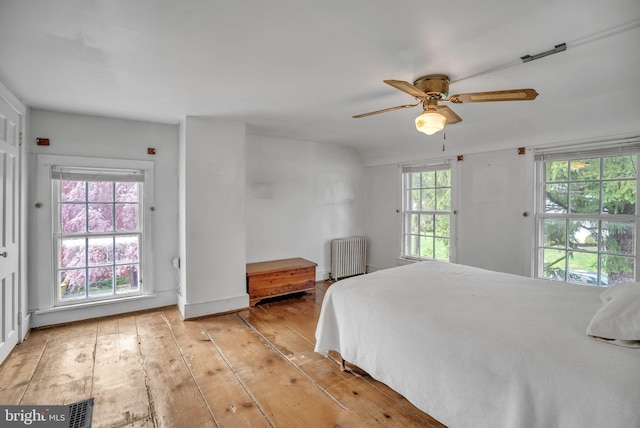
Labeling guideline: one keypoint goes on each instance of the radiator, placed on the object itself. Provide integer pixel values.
(348, 257)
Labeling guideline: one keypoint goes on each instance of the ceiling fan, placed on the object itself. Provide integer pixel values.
(431, 89)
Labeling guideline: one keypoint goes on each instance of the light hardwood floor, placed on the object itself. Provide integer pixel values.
(253, 368)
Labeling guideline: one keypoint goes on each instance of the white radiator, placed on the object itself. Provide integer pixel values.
(348, 257)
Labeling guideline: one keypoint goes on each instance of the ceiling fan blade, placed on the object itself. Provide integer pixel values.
(451, 115)
(384, 110)
(509, 95)
(406, 87)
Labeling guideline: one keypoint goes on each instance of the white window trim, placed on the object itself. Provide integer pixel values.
(599, 149)
(43, 221)
(453, 239)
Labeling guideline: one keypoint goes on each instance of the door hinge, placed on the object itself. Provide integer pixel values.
(20, 138)
(19, 318)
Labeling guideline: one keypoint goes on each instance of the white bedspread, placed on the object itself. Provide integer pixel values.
(475, 348)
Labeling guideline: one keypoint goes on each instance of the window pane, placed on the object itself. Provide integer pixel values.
(426, 224)
(72, 253)
(413, 244)
(72, 284)
(100, 218)
(617, 269)
(442, 225)
(429, 179)
(443, 178)
(442, 249)
(556, 171)
(619, 197)
(583, 234)
(415, 180)
(414, 222)
(443, 201)
(619, 167)
(126, 217)
(126, 192)
(100, 281)
(73, 218)
(127, 279)
(583, 268)
(100, 251)
(554, 264)
(585, 197)
(426, 247)
(618, 237)
(72, 191)
(100, 191)
(127, 249)
(584, 169)
(555, 233)
(428, 200)
(415, 200)
(556, 198)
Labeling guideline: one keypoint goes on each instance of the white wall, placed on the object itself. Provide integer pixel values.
(212, 222)
(495, 189)
(382, 220)
(99, 137)
(300, 195)
(297, 196)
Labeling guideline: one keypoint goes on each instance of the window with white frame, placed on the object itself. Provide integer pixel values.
(97, 233)
(587, 216)
(427, 212)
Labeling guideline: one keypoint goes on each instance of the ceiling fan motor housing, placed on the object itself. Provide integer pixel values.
(433, 84)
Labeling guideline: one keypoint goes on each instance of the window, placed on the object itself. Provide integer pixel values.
(98, 233)
(587, 219)
(426, 212)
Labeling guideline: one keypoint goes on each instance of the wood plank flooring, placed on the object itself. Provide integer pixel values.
(253, 368)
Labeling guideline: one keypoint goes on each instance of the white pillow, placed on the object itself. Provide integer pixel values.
(619, 317)
(623, 287)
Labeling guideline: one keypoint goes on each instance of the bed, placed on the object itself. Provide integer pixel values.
(476, 348)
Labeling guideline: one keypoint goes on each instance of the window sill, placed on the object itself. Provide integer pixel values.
(405, 261)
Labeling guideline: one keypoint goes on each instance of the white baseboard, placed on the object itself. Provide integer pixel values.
(194, 310)
(26, 326)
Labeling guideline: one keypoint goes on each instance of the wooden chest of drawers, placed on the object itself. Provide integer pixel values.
(279, 277)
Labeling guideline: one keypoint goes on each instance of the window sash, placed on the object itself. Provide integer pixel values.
(598, 252)
(57, 217)
(408, 211)
(112, 175)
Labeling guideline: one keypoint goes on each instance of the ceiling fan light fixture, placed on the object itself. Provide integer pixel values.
(430, 122)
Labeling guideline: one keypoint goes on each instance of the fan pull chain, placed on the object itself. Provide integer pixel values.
(444, 137)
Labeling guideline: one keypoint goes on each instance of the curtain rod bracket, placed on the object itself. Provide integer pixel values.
(558, 48)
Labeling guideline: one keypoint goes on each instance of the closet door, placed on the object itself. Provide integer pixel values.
(9, 231)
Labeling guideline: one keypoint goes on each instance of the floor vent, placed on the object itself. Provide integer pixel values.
(80, 414)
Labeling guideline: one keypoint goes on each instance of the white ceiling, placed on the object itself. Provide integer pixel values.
(300, 69)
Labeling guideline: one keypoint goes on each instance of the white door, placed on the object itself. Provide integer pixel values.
(9, 232)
